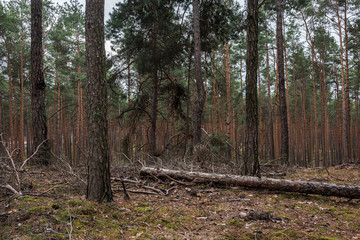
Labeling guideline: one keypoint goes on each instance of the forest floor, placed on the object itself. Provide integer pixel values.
(54, 207)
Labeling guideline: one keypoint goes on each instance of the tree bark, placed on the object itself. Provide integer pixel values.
(200, 98)
(21, 130)
(251, 159)
(98, 185)
(270, 110)
(284, 148)
(11, 122)
(229, 118)
(39, 124)
(308, 187)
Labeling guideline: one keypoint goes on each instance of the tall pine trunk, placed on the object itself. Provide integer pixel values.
(284, 149)
(98, 185)
(39, 126)
(200, 97)
(21, 127)
(251, 158)
(270, 110)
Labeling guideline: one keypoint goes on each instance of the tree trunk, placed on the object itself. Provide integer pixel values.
(98, 185)
(284, 149)
(154, 101)
(317, 160)
(251, 158)
(308, 187)
(39, 125)
(200, 98)
(290, 157)
(345, 131)
(215, 95)
(229, 119)
(347, 98)
(21, 127)
(11, 122)
(270, 110)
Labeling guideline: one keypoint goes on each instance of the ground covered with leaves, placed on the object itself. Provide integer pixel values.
(53, 206)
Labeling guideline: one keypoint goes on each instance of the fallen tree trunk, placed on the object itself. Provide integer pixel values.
(326, 189)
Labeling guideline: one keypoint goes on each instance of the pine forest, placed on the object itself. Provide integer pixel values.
(193, 119)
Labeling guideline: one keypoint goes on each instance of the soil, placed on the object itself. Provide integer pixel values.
(53, 206)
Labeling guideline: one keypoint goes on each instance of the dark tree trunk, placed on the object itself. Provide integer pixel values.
(251, 161)
(284, 151)
(98, 186)
(154, 108)
(200, 98)
(38, 86)
(270, 109)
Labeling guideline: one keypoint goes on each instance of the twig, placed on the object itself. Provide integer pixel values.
(26, 160)
(71, 219)
(152, 212)
(154, 189)
(141, 192)
(127, 196)
(71, 171)
(260, 5)
(178, 182)
(168, 190)
(17, 193)
(50, 189)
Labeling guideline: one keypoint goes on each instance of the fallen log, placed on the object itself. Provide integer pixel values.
(308, 187)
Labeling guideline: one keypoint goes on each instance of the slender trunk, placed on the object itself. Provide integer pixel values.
(270, 110)
(11, 122)
(78, 149)
(228, 96)
(154, 101)
(345, 124)
(215, 94)
(200, 98)
(338, 121)
(347, 98)
(296, 123)
(304, 127)
(188, 100)
(21, 136)
(276, 106)
(287, 102)
(316, 148)
(261, 130)
(284, 150)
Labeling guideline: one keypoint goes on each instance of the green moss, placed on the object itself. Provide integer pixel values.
(235, 222)
(116, 215)
(350, 216)
(142, 209)
(143, 204)
(76, 202)
(38, 209)
(27, 198)
(286, 234)
(285, 217)
(288, 196)
(88, 210)
(322, 238)
(172, 225)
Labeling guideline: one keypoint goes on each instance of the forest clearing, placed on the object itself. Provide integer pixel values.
(179, 119)
(53, 207)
